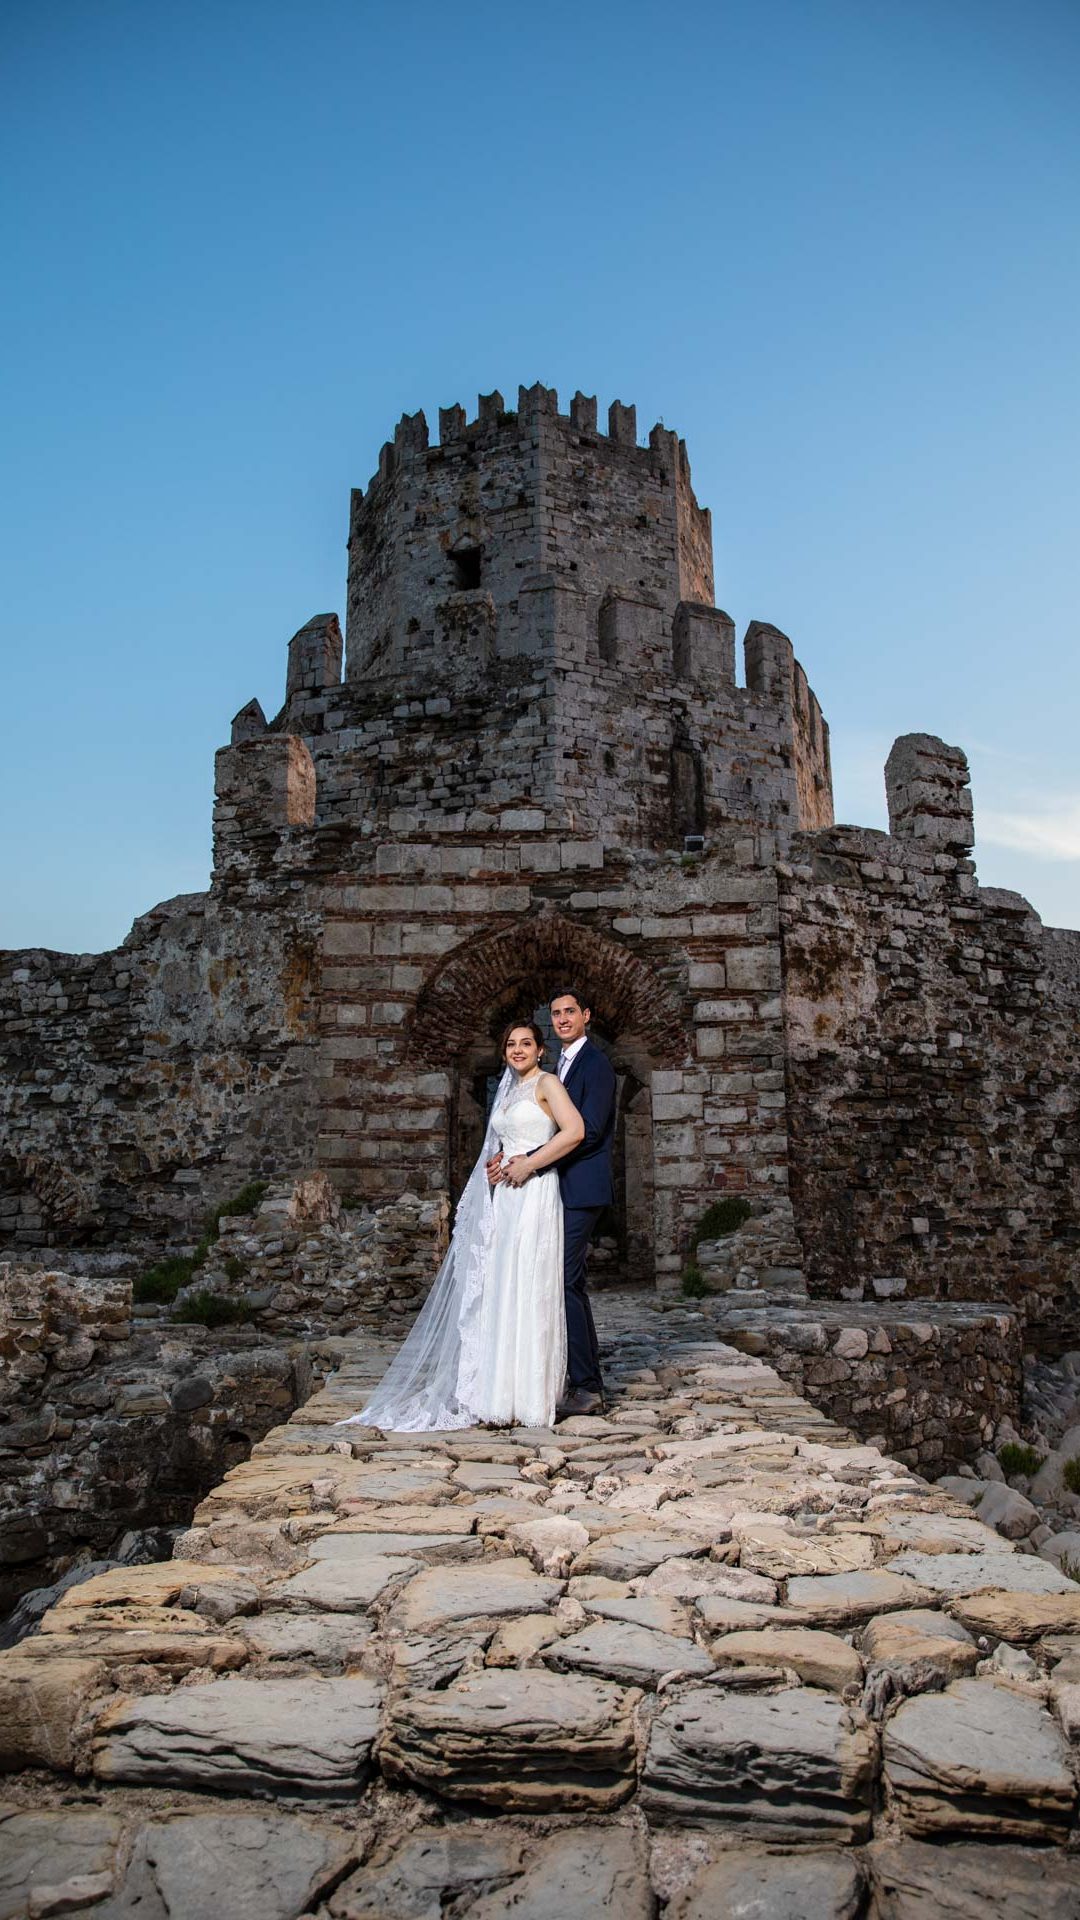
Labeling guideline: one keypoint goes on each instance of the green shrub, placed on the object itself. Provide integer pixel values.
(724, 1216)
(1070, 1567)
(1070, 1473)
(234, 1268)
(246, 1201)
(207, 1309)
(1014, 1457)
(693, 1282)
(161, 1283)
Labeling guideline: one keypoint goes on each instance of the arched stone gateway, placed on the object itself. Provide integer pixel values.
(485, 982)
(639, 1021)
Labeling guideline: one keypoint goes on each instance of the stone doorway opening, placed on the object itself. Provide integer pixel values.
(482, 985)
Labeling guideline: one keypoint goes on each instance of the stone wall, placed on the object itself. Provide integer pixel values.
(929, 1383)
(140, 1088)
(109, 1425)
(680, 962)
(933, 1063)
(552, 768)
(539, 764)
(304, 1265)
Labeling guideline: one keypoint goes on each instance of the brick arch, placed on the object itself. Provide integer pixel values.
(486, 981)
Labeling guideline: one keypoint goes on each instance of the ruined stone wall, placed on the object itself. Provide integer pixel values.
(813, 766)
(142, 1086)
(933, 1077)
(603, 749)
(109, 1425)
(425, 507)
(304, 1264)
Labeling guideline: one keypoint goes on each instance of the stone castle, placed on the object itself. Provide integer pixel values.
(540, 765)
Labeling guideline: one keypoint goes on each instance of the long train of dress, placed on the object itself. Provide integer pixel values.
(489, 1343)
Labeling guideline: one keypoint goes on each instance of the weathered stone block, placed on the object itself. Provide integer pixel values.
(528, 1742)
(794, 1765)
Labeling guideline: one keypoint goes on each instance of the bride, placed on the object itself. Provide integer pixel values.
(489, 1343)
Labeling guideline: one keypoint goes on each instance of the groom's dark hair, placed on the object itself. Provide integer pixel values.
(570, 993)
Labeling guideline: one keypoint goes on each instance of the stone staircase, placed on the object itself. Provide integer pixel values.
(705, 1656)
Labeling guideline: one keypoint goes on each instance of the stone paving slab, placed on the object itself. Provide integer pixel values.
(634, 1655)
(40, 1852)
(792, 1765)
(772, 1886)
(247, 1866)
(644, 1655)
(964, 1573)
(914, 1881)
(979, 1758)
(304, 1736)
(529, 1741)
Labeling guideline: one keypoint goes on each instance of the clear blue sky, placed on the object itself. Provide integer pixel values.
(833, 242)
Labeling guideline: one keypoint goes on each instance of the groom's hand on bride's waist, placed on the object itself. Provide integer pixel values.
(494, 1168)
(518, 1170)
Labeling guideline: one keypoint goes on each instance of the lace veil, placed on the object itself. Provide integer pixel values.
(429, 1384)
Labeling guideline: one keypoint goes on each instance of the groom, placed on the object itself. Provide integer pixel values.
(586, 1187)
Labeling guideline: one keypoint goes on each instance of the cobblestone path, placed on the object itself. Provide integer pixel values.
(705, 1656)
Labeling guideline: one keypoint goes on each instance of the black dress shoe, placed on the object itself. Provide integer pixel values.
(580, 1400)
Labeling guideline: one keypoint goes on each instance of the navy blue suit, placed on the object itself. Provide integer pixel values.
(586, 1185)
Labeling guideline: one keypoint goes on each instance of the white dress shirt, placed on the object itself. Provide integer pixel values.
(568, 1053)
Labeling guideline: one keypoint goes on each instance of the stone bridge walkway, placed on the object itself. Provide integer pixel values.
(706, 1656)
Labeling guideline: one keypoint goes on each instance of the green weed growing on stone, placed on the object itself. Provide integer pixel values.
(693, 1282)
(162, 1282)
(246, 1201)
(1070, 1567)
(1070, 1473)
(234, 1268)
(1014, 1457)
(723, 1216)
(207, 1309)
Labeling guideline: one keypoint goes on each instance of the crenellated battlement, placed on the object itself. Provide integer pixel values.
(494, 419)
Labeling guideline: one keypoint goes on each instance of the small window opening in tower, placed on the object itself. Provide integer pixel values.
(466, 562)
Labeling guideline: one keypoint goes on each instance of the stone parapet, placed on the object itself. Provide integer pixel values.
(929, 1382)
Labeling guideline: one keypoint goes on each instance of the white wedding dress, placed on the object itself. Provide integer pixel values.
(489, 1343)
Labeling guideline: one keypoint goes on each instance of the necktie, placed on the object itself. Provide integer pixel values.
(564, 1062)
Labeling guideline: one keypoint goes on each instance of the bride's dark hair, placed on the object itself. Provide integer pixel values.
(537, 1034)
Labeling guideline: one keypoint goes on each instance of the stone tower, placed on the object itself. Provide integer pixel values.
(530, 610)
